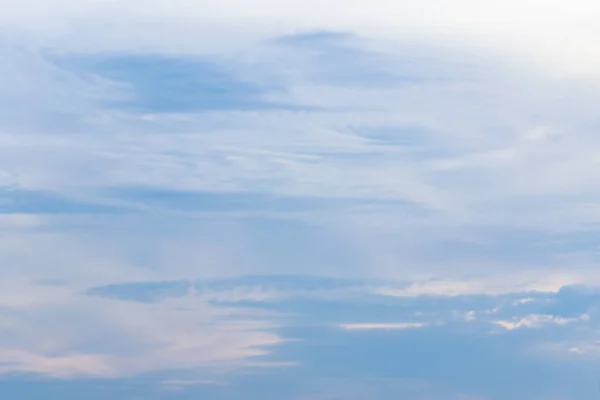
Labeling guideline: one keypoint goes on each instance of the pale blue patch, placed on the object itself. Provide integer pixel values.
(140, 388)
(156, 291)
(573, 301)
(405, 136)
(283, 283)
(143, 291)
(44, 202)
(212, 201)
(168, 84)
(257, 202)
(449, 360)
(337, 58)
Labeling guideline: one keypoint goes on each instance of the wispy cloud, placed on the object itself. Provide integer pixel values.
(159, 165)
(532, 321)
(386, 326)
(122, 339)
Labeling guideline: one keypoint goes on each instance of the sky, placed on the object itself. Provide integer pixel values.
(299, 200)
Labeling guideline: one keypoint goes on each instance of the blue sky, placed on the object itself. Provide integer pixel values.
(296, 200)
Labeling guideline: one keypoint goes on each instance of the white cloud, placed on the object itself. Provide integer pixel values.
(470, 316)
(524, 300)
(530, 281)
(554, 35)
(538, 320)
(73, 335)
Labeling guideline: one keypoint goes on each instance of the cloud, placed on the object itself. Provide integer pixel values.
(533, 321)
(180, 384)
(397, 325)
(123, 339)
(158, 165)
(552, 34)
(543, 281)
(333, 151)
(206, 339)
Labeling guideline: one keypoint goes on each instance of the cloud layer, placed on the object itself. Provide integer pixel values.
(189, 192)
